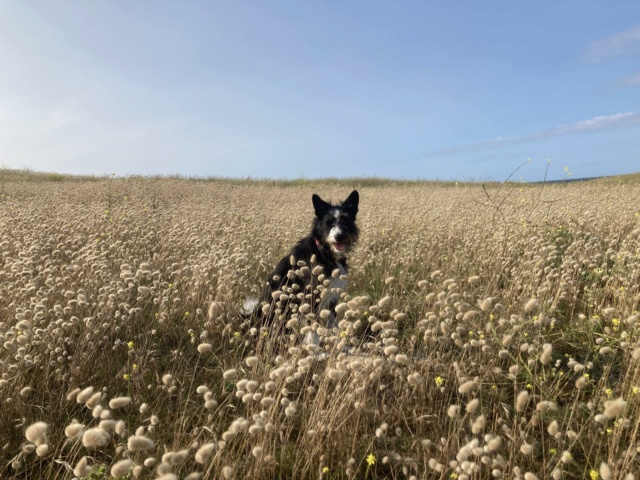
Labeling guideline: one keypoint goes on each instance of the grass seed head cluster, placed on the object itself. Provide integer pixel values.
(484, 334)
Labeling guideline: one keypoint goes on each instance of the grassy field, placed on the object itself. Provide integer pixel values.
(487, 332)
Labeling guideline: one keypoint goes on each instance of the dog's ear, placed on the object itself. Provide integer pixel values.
(350, 205)
(321, 207)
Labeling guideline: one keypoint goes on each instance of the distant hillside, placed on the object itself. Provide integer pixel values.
(27, 175)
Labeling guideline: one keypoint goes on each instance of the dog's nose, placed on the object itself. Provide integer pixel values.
(341, 237)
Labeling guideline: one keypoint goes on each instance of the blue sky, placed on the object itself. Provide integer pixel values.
(287, 89)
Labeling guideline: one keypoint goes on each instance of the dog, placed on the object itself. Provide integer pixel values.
(311, 277)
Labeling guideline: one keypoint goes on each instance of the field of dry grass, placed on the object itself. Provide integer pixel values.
(486, 333)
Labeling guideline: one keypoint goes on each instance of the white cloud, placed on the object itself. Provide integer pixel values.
(599, 123)
(603, 122)
(616, 45)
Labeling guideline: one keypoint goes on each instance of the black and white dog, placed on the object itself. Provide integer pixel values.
(311, 277)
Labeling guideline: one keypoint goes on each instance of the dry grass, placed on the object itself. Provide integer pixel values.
(123, 355)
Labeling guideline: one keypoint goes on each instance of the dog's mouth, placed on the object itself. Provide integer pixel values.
(339, 249)
(340, 246)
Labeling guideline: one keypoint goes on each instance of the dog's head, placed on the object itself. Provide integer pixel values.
(335, 225)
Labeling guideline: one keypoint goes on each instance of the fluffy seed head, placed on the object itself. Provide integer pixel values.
(566, 457)
(42, 450)
(494, 443)
(167, 476)
(84, 395)
(82, 469)
(119, 402)
(547, 350)
(478, 424)
(526, 448)
(36, 433)
(230, 374)
(466, 387)
(214, 309)
(470, 315)
(73, 394)
(139, 443)
(266, 402)
(341, 308)
(121, 468)
(553, 428)
(95, 437)
(204, 347)
(121, 427)
(472, 406)
(532, 305)
(384, 302)
(257, 451)
(204, 453)
(522, 400)
(179, 457)
(107, 425)
(605, 471)
(94, 400)
(402, 359)
(28, 448)
(614, 408)
(486, 304)
(73, 430)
